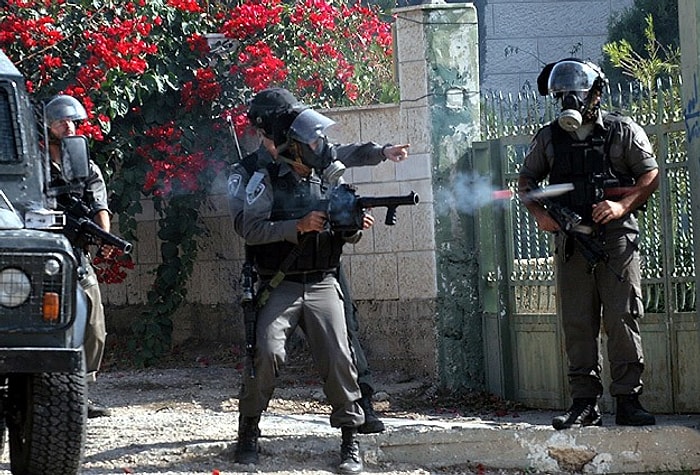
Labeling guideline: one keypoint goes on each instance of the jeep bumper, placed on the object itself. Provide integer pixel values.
(41, 360)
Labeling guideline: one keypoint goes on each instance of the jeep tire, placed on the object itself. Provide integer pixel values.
(47, 423)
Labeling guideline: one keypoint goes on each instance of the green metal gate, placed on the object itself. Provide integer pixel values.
(525, 358)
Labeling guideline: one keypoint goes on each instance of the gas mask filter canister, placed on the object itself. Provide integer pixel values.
(570, 118)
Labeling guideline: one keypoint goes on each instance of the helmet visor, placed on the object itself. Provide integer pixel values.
(309, 126)
(571, 76)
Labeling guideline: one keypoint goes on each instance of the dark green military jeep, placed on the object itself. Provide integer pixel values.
(43, 310)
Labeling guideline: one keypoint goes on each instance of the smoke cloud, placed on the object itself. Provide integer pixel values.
(469, 192)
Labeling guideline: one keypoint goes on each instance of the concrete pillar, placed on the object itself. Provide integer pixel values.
(689, 26)
(438, 66)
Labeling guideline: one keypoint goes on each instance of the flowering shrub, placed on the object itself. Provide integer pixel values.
(159, 92)
(112, 270)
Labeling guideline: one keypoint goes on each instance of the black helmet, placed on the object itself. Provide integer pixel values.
(64, 107)
(273, 110)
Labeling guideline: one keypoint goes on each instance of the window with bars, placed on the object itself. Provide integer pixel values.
(8, 129)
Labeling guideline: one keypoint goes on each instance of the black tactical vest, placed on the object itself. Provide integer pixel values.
(585, 164)
(294, 199)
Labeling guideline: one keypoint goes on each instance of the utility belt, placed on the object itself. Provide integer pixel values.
(311, 277)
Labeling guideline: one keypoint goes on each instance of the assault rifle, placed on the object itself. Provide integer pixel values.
(346, 209)
(570, 224)
(81, 230)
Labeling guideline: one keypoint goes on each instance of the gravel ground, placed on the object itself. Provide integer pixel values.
(181, 418)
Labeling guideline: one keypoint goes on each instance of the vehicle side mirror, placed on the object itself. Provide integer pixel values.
(75, 156)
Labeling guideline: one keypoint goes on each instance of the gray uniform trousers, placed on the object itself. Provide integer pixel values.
(353, 324)
(95, 331)
(318, 309)
(584, 298)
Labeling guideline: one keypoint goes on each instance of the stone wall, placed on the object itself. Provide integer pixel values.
(392, 268)
(519, 36)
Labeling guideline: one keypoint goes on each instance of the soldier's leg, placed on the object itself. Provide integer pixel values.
(364, 375)
(580, 309)
(622, 307)
(95, 332)
(275, 322)
(327, 337)
(372, 424)
(95, 337)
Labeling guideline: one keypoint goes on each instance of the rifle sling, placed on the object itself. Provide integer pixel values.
(264, 292)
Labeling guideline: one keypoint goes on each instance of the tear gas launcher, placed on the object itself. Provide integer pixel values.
(346, 208)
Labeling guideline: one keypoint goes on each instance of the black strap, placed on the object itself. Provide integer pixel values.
(271, 284)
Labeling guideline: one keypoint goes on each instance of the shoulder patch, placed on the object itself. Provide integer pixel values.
(234, 183)
(255, 187)
(642, 141)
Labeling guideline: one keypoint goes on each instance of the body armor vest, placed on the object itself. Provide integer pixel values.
(294, 199)
(584, 164)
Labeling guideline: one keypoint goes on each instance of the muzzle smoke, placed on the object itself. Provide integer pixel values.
(468, 193)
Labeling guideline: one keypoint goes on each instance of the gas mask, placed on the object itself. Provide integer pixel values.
(309, 144)
(573, 106)
(578, 84)
(319, 156)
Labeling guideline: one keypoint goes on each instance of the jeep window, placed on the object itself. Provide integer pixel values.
(8, 130)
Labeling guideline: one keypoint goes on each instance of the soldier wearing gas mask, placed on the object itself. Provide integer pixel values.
(271, 112)
(591, 149)
(286, 235)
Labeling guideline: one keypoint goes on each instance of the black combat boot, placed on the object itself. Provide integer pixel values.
(247, 446)
(583, 412)
(372, 423)
(630, 412)
(350, 460)
(95, 409)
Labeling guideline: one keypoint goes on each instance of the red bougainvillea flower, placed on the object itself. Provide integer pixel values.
(198, 43)
(251, 18)
(259, 67)
(204, 90)
(191, 6)
(111, 270)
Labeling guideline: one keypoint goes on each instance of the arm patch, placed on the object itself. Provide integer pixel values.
(255, 187)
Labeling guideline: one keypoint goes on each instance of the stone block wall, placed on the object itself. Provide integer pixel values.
(520, 36)
(392, 269)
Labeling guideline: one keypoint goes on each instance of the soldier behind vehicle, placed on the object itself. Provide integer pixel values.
(62, 112)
